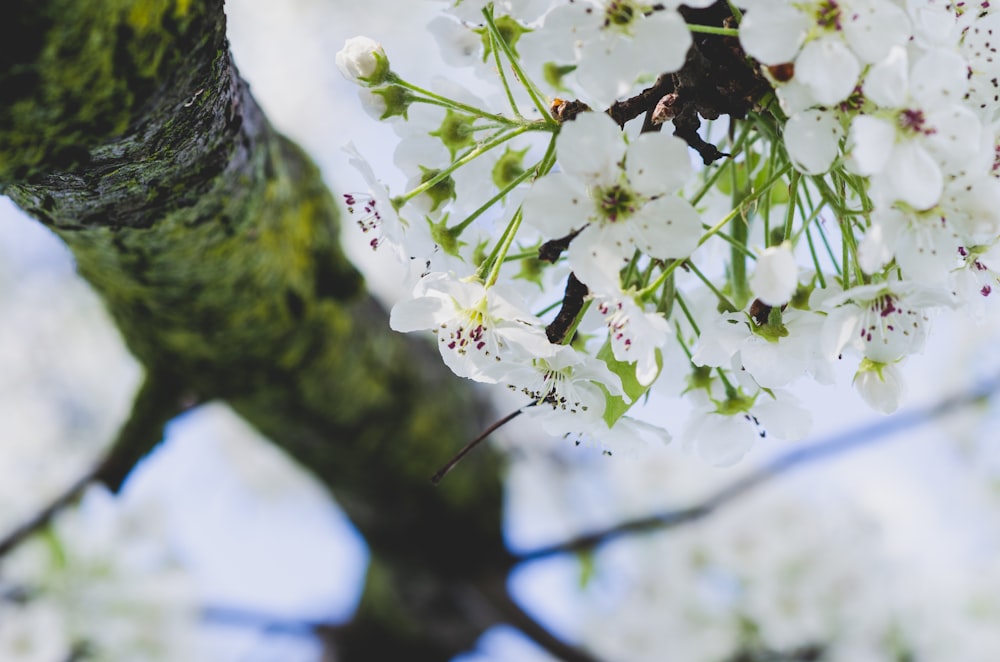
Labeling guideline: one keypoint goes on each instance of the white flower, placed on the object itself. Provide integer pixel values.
(880, 385)
(926, 134)
(373, 211)
(723, 438)
(828, 41)
(363, 61)
(775, 277)
(885, 322)
(614, 42)
(478, 329)
(567, 382)
(620, 199)
(731, 342)
(635, 334)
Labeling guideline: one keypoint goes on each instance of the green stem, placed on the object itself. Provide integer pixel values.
(740, 233)
(690, 319)
(477, 151)
(723, 299)
(522, 76)
(711, 29)
(793, 196)
(520, 179)
(495, 40)
(815, 258)
(439, 100)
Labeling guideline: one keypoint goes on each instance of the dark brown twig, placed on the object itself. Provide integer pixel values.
(157, 401)
(443, 471)
(838, 444)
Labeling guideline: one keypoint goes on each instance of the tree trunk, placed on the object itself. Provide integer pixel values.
(126, 130)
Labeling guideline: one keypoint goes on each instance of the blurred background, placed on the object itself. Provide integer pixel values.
(220, 549)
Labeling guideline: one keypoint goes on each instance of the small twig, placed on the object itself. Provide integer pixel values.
(628, 109)
(835, 445)
(559, 330)
(157, 401)
(443, 471)
(42, 517)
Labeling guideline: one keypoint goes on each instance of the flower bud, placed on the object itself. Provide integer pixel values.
(363, 61)
(776, 276)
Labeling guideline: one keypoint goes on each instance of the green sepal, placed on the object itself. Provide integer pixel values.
(446, 238)
(397, 101)
(508, 167)
(615, 405)
(441, 192)
(456, 132)
(510, 31)
(554, 73)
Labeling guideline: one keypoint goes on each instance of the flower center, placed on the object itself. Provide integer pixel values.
(616, 202)
(913, 121)
(620, 14)
(828, 15)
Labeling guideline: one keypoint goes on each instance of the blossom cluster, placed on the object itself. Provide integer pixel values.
(98, 583)
(699, 200)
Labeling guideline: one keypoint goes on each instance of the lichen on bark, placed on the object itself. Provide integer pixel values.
(214, 244)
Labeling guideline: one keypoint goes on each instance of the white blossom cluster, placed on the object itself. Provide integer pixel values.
(586, 261)
(99, 584)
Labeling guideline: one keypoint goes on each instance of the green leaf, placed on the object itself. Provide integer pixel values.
(614, 405)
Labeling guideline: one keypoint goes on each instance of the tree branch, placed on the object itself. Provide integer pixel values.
(838, 444)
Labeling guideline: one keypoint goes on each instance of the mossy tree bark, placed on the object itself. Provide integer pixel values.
(126, 130)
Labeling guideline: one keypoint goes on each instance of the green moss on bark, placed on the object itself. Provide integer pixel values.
(214, 243)
(76, 73)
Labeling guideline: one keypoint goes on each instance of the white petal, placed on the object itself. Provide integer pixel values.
(661, 42)
(784, 418)
(775, 276)
(875, 27)
(591, 148)
(596, 258)
(888, 82)
(657, 163)
(557, 204)
(772, 31)
(881, 389)
(869, 144)
(829, 68)
(812, 138)
(939, 78)
(724, 440)
(914, 176)
(668, 227)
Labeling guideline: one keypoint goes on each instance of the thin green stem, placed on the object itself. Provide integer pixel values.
(793, 196)
(723, 299)
(690, 318)
(495, 38)
(496, 258)
(522, 76)
(711, 29)
(438, 100)
(523, 255)
(517, 181)
(737, 14)
(477, 151)
(815, 258)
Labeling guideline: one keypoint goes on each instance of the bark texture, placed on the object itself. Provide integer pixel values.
(126, 130)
